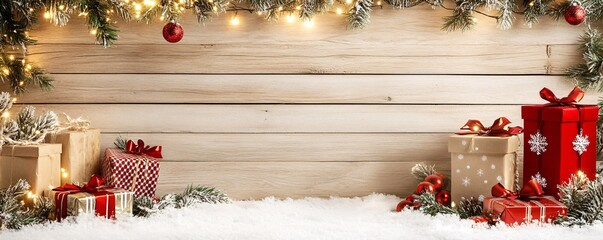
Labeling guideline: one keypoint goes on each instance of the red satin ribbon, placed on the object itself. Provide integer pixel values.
(500, 128)
(531, 189)
(105, 200)
(572, 98)
(140, 148)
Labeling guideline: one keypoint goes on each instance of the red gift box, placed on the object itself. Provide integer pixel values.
(135, 172)
(524, 206)
(554, 135)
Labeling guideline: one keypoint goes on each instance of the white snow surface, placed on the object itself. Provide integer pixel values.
(368, 217)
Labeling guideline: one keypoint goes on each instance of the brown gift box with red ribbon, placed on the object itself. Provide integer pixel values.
(524, 206)
(560, 139)
(482, 156)
(92, 198)
(136, 168)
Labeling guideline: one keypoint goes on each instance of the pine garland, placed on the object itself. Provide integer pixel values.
(584, 200)
(27, 128)
(191, 196)
(14, 214)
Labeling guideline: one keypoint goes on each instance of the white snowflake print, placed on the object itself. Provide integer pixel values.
(580, 143)
(540, 179)
(480, 172)
(481, 198)
(538, 143)
(458, 170)
(485, 181)
(466, 181)
(499, 178)
(468, 166)
(493, 166)
(460, 156)
(484, 158)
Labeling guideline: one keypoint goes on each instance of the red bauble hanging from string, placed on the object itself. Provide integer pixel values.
(574, 14)
(173, 32)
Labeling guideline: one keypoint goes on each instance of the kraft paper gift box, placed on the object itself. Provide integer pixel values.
(39, 165)
(560, 139)
(478, 162)
(81, 153)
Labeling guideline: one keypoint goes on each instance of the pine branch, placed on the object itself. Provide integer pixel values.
(29, 129)
(461, 19)
(120, 142)
(430, 206)
(400, 4)
(191, 196)
(470, 207)
(505, 12)
(13, 214)
(584, 200)
(97, 18)
(359, 15)
(421, 170)
(588, 75)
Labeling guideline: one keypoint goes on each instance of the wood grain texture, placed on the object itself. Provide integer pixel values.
(264, 118)
(296, 180)
(295, 147)
(385, 58)
(374, 89)
(421, 26)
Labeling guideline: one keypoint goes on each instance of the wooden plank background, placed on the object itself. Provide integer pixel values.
(274, 108)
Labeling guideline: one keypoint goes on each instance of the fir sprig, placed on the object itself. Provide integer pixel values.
(191, 196)
(584, 200)
(588, 75)
(13, 214)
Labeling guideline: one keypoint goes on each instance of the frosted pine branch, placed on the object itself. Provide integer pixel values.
(359, 15)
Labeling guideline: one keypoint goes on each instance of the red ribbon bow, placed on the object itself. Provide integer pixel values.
(140, 148)
(572, 98)
(105, 201)
(501, 128)
(530, 189)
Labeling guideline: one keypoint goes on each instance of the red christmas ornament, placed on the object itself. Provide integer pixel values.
(574, 14)
(443, 197)
(438, 180)
(410, 198)
(402, 205)
(425, 187)
(173, 32)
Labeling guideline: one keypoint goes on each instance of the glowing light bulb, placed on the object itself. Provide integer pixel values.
(21, 83)
(137, 7)
(309, 23)
(11, 57)
(5, 115)
(280, 8)
(297, 7)
(30, 194)
(215, 9)
(581, 174)
(339, 11)
(452, 204)
(6, 71)
(62, 170)
(531, 4)
(259, 13)
(348, 1)
(161, 18)
(290, 18)
(234, 21)
(182, 1)
(61, 7)
(378, 3)
(65, 175)
(14, 100)
(474, 19)
(149, 3)
(93, 31)
(47, 15)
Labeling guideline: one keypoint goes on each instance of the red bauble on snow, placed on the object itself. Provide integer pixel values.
(438, 180)
(574, 14)
(443, 197)
(410, 198)
(173, 32)
(425, 187)
(402, 205)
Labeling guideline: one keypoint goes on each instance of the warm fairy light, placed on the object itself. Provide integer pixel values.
(47, 15)
(93, 31)
(137, 7)
(11, 57)
(290, 18)
(61, 7)
(65, 175)
(38, 132)
(378, 3)
(127, 1)
(6, 71)
(531, 4)
(210, 1)
(348, 1)
(28, 67)
(298, 8)
(30, 194)
(215, 9)
(474, 19)
(161, 18)
(21, 83)
(5, 115)
(234, 21)
(62, 170)
(259, 13)
(182, 1)
(339, 11)
(14, 100)
(309, 23)
(23, 61)
(31, 9)
(581, 174)
(280, 8)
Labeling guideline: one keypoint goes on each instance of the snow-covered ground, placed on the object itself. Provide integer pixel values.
(336, 218)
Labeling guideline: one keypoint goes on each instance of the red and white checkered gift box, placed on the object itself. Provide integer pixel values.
(137, 173)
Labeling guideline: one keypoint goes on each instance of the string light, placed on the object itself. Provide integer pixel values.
(61, 7)
(378, 3)
(290, 18)
(339, 11)
(5, 114)
(298, 7)
(348, 1)
(47, 15)
(531, 4)
(93, 31)
(28, 67)
(21, 85)
(234, 21)
(259, 13)
(161, 18)
(280, 8)
(309, 23)
(11, 57)
(14, 100)
(6, 71)
(137, 7)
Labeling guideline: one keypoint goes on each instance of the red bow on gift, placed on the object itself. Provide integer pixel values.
(530, 189)
(139, 149)
(572, 98)
(501, 128)
(105, 201)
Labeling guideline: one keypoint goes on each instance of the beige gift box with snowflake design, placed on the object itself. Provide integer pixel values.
(479, 162)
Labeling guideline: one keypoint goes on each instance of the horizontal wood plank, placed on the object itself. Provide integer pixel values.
(386, 58)
(382, 89)
(422, 25)
(295, 147)
(244, 180)
(254, 118)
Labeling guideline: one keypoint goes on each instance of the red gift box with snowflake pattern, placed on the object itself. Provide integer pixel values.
(135, 172)
(560, 139)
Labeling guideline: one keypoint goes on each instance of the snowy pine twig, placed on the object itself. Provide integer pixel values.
(13, 214)
(191, 196)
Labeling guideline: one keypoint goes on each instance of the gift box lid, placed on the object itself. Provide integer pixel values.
(44, 149)
(472, 143)
(588, 113)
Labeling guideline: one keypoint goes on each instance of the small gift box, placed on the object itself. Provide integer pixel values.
(524, 206)
(135, 168)
(481, 156)
(92, 198)
(81, 153)
(560, 138)
(39, 165)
